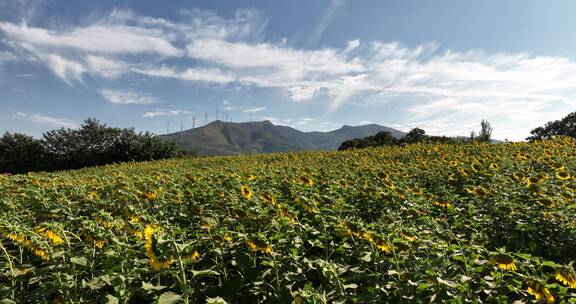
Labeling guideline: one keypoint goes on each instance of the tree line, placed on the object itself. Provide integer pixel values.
(93, 144)
(415, 135)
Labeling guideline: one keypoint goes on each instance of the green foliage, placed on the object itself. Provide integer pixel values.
(563, 127)
(94, 144)
(20, 153)
(419, 223)
(485, 132)
(386, 139)
(383, 138)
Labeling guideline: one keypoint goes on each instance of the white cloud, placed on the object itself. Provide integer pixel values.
(64, 68)
(299, 93)
(106, 67)
(47, 120)
(126, 97)
(211, 75)
(165, 112)
(254, 109)
(107, 39)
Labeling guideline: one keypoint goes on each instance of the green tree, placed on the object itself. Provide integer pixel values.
(415, 135)
(565, 126)
(20, 153)
(485, 131)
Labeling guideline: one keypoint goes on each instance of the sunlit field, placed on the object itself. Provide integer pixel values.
(420, 223)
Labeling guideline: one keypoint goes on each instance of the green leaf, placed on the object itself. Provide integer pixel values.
(149, 287)
(549, 264)
(79, 260)
(421, 287)
(7, 301)
(446, 282)
(112, 299)
(95, 284)
(204, 273)
(169, 298)
(350, 286)
(216, 300)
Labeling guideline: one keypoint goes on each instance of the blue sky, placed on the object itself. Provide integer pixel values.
(314, 65)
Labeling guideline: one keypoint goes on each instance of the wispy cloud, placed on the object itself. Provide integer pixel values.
(106, 39)
(66, 69)
(325, 20)
(254, 110)
(164, 112)
(47, 120)
(126, 97)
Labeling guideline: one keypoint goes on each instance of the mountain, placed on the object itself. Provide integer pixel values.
(228, 138)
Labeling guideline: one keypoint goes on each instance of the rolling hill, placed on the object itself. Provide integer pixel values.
(228, 138)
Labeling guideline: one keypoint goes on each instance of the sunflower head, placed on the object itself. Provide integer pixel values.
(566, 276)
(475, 167)
(505, 262)
(442, 204)
(246, 192)
(268, 198)
(562, 175)
(306, 180)
(539, 291)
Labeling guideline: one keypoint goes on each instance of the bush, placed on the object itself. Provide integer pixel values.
(93, 144)
(20, 153)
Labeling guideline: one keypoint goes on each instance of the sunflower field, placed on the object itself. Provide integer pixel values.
(453, 223)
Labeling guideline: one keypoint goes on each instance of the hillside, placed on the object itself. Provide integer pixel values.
(228, 138)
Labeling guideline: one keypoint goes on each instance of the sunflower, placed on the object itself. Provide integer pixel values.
(442, 204)
(246, 192)
(150, 196)
(539, 291)
(54, 238)
(251, 177)
(100, 243)
(383, 175)
(195, 256)
(494, 166)
(350, 229)
(562, 175)
(476, 167)
(480, 192)
(268, 198)
(382, 245)
(258, 245)
(306, 180)
(40, 253)
(566, 277)
(505, 262)
(532, 181)
(286, 214)
(557, 166)
(150, 243)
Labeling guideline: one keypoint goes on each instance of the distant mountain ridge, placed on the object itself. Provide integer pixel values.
(229, 138)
